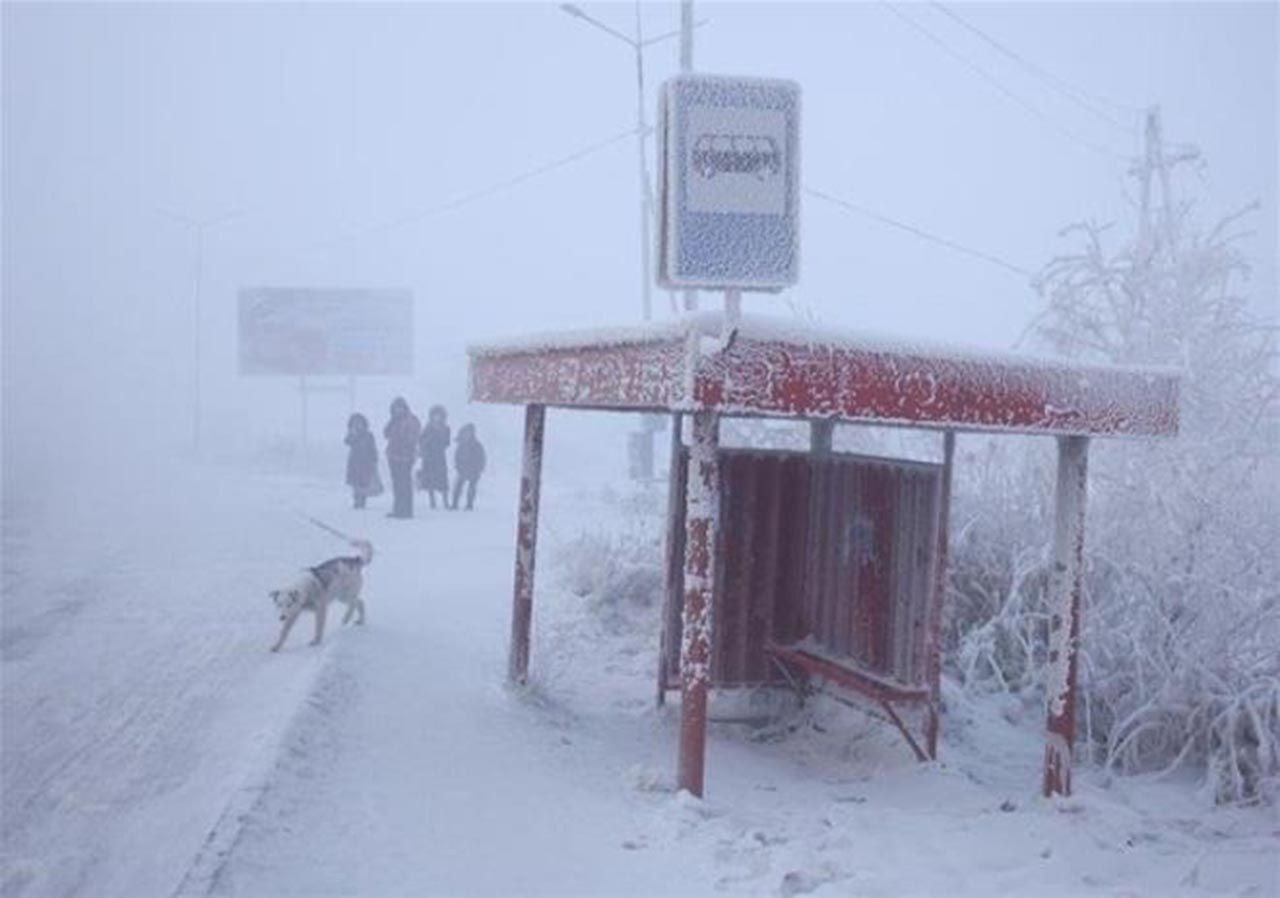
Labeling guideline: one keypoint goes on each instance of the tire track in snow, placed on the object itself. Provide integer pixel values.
(201, 875)
(128, 713)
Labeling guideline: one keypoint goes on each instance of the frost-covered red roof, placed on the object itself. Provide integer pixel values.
(764, 366)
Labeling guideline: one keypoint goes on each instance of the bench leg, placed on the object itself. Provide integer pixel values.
(902, 728)
(798, 687)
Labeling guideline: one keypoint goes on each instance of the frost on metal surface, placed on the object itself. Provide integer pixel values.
(767, 366)
(634, 375)
(526, 544)
(701, 516)
(729, 163)
(1064, 611)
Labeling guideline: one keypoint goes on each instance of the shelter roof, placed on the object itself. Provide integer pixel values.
(765, 366)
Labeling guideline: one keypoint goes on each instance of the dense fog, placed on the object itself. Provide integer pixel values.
(337, 145)
(981, 185)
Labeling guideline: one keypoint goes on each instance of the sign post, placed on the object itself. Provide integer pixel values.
(729, 219)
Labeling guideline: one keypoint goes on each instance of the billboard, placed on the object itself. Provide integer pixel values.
(729, 178)
(309, 331)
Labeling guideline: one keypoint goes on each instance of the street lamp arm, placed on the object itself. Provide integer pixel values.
(670, 34)
(578, 13)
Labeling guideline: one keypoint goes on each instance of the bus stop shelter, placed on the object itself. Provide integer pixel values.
(787, 565)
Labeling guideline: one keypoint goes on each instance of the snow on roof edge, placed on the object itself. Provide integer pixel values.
(769, 328)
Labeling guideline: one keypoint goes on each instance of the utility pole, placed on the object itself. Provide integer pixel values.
(198, 227)
(1156, 162)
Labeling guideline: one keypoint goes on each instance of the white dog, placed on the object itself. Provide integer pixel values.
(337, 580)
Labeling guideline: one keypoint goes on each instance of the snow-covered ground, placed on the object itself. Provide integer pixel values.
(152, 746)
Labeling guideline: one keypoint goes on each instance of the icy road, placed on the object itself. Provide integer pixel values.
(153, 747)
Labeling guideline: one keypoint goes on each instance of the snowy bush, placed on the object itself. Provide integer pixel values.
(611, 568)
(1179, 662)
(618, 561)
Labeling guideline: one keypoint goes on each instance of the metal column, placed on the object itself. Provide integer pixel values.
(933, 633)
(1064, 604)
(669, 593)
(526, 544)
(702, 501)
(822, 436)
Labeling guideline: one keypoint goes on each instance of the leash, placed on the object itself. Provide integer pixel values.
(328, 528)
(363, 546)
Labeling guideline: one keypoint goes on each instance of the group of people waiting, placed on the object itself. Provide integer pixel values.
(408, 441)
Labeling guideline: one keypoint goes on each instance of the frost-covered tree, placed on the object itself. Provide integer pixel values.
(1180, 657)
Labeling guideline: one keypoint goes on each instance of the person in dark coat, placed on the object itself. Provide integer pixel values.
(468, 462)
(362, 461)
(401, 434)
(433, 476)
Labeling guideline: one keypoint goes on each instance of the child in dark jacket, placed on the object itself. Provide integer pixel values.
(362, 461)
(468, 462)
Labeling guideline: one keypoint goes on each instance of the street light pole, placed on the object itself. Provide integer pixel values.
(646, 197)
(686, 66)
(637, 45)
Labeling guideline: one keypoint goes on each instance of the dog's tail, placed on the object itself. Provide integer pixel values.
(365, 548)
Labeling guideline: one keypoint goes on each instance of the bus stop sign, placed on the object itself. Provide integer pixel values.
(729, 183)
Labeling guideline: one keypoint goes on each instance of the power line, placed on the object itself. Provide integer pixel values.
(467, 199)
(999, 85)
(1088, 101)
(919, 232)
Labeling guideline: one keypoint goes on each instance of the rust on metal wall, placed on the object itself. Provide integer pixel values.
(836, 550)
(905, 387)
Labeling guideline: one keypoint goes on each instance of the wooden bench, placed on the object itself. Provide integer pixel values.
(846, 673)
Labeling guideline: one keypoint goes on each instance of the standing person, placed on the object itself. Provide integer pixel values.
(401, 434)
(433, 476)
(468, 462)
(362, 461)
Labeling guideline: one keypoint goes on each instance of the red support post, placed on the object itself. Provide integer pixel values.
(933, 632)
(702, 507)
(1064, 604)
(670, 592)
(526, 544)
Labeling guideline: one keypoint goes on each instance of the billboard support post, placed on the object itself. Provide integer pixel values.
(310, 333)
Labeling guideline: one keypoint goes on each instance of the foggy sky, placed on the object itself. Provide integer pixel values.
(321, 124)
